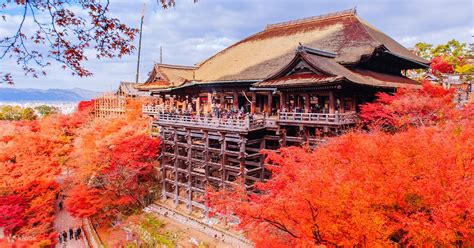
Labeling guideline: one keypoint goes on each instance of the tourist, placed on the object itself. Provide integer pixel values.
(70, 233)
(78, 233)
(64, 234)
(60, 206)
(60, 239)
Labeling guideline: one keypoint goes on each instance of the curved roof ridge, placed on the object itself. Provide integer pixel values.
(185, 67)
(351, 12)
(388, 42)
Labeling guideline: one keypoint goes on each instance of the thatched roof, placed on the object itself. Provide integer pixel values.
(346, 35)
(263, 53)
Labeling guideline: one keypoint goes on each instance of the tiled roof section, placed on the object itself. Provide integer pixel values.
(130, 89)
(168, 76)
(263, 53)
(332, 72)
(385, 80)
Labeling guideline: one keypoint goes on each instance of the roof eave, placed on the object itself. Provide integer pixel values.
(423, 65)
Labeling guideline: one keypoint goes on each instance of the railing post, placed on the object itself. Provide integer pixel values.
(336, 119)
(247, 121)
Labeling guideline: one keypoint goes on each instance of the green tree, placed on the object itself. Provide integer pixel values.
(458, 54)
(45, 110)
(28, 114)
(10, 113)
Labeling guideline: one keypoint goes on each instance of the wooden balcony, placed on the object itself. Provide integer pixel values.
(249, 122)
(231, 124)
(317, 118)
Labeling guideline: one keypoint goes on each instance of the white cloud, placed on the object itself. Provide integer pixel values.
(189, 33)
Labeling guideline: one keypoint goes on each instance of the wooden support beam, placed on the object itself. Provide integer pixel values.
(342, 104)
(223, 159)
(163, 170)
(242, 155)
(331, 102)
(172, 102)
(176, 162)
(282, 140)
(236, 100)
(190, 165)
(269, 104)
(306, 103)
(209, 103)
(198, 105)
(262, 159)
(253, 102)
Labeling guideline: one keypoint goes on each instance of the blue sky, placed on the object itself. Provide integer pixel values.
(192, 32)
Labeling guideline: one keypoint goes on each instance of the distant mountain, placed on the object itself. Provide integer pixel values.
(75, 94)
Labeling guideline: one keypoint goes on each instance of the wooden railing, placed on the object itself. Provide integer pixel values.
(249, 122)
(246, 123)
(152, 109)
(317, 118)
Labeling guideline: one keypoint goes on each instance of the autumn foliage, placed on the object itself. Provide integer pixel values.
(409, 108)
(412, 187)
(32, 154)
(439, 65)
(111, 163)
(114, 166)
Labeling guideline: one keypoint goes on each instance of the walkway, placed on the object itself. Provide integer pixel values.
(63, 222)
(222, 235)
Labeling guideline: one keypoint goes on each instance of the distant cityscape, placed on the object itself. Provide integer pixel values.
(64, 100)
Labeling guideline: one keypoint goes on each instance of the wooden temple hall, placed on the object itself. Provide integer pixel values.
(293, 83)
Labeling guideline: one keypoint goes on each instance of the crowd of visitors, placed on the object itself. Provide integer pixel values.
(74, 232)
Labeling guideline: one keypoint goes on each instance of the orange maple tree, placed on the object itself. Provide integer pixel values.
(114, 166)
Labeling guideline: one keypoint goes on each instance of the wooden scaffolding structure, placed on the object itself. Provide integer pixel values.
(110, 105)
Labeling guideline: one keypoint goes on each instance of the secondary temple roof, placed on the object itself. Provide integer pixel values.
(255, 58)
(311, 67)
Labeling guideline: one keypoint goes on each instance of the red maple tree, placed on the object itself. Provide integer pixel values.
(413, 187)
(409, 108)
(439, 65)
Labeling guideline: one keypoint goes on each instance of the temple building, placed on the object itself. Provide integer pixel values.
(293, 83)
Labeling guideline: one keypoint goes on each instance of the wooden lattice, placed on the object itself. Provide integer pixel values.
(110, 105)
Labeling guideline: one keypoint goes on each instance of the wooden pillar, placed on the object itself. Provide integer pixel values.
(236, 100)
(270, 103)
(306, 103)
(189, 165)
(262, 158)
(206, 161)
(162, 162)
(184, 106)
(331, 102)
(223, 159)
(198, 105)
(176, 161)
(171, 102)
(242, 156)
(282, 140)
(282, 100)
(342, 107)
(253, 103)
(209, 103)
